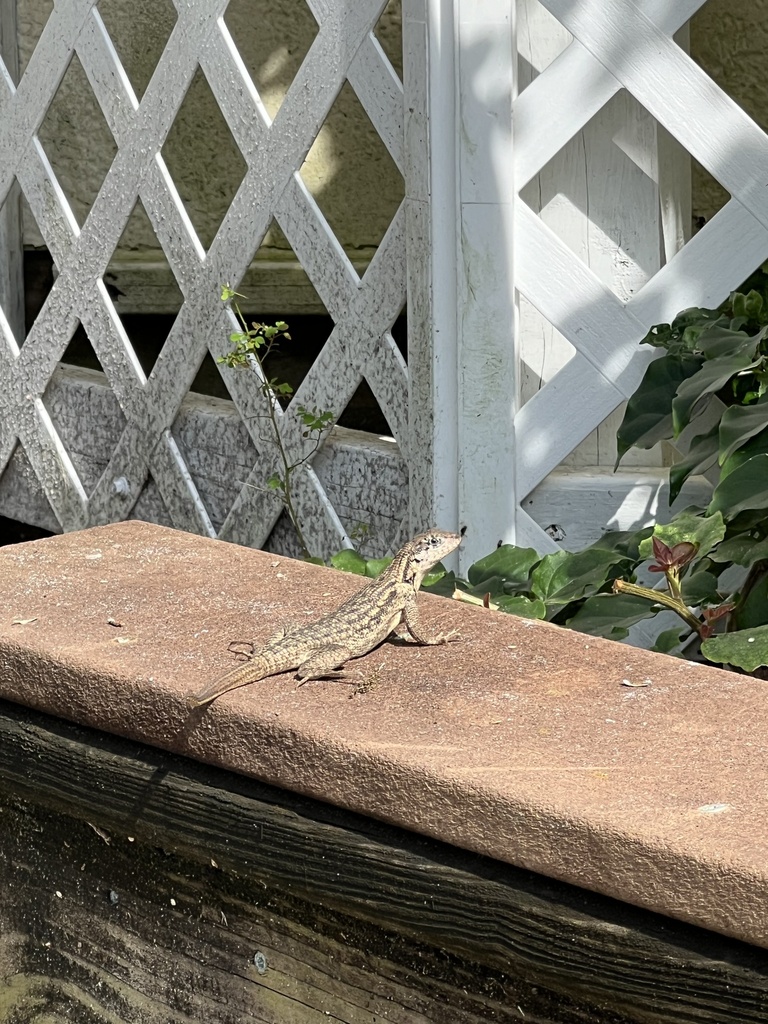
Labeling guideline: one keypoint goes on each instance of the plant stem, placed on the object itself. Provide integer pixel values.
(253, 346)
(659, 597)
(288, 469)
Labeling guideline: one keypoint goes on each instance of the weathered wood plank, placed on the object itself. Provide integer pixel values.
(274, 282)
(333, 900)
(487, 353)
(119, 931)
(430, 203)
(575, 506)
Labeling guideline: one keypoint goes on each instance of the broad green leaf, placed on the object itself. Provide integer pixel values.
(544, 572)
(610, 615)
(702, 530)
(624, 542)
(752, 608)
(349, 560)
(739, 304)
(660, 336)
(435, 574)
(493, 585)
(700, 588)
(564, 576)
(701, 456)
(524, 606)
(712, 376)
(750, 519)
(648, 417)
(681, 335)
(755, 308)
(739, 423)
(722, 340)
(746, 487)
(742, 549)
(507, 561)
(376, 566)
(748, 306)
(757, 445)
(746, 649)
(669, 639)
(696, 316)
(443, 583)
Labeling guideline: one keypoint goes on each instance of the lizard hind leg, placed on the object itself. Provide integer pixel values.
(323, 662)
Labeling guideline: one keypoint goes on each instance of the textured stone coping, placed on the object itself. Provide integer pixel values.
(521, 742)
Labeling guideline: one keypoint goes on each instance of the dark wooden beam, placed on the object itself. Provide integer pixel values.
(589, 953)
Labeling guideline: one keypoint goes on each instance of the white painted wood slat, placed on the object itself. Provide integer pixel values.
(627, 44)
(575, 88)
(711, 125)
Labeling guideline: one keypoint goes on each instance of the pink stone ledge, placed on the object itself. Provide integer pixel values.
(522, 742)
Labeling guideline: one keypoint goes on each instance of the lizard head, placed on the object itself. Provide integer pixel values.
(427, 550)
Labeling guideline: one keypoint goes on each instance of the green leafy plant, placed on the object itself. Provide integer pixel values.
(714, 560)
(715, 369)
(557, 587)
(252, 344)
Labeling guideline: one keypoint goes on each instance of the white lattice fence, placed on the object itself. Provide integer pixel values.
(619, 43)
(363, 311)
(481, 423)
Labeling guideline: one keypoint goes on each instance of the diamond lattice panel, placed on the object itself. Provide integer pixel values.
(618, 44)
(581, 193)
(273, 150)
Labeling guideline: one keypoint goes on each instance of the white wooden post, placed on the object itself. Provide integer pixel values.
(430, 190)
(486, 60)
(11, 248)
(459, 72)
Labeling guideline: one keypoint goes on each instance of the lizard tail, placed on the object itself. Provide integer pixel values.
(250, 672)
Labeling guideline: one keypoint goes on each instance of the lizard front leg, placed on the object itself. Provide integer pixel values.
(417, 629)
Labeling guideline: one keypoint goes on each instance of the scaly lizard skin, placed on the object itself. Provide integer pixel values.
(363, 622)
